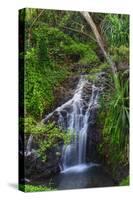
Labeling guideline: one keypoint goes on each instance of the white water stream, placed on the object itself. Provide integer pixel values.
(74, 116)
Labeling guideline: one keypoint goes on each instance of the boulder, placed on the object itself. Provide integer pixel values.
(36, 167)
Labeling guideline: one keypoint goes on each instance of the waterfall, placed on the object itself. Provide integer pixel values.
(28, 147)
(75, 116)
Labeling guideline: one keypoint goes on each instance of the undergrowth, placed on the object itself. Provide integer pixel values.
(32, 188)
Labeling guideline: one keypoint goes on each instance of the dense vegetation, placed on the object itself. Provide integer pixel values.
(57, 40)
(115, 109)
(49, 52)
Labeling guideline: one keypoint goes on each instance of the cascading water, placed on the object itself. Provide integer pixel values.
(75, 116)
(28, 147)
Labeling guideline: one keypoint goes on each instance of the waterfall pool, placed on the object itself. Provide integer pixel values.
(83, 176)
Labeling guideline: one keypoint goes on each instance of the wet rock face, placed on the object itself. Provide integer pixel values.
(93, 137)
(65, 92)
(36, 168)
(62, 94)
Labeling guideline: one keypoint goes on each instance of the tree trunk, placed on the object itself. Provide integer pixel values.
(90, 21)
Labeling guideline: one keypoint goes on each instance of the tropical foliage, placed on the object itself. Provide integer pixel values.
(116, 29)
(56, 40)
(115, 101)
(115, 116)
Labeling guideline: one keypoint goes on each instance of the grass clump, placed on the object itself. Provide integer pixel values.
(32, 188)
(125, 181)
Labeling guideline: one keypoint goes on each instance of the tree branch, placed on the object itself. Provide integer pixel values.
(90, 21)
(36, 19)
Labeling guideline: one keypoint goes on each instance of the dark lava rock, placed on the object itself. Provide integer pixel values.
(36, 168)
(66, 91)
